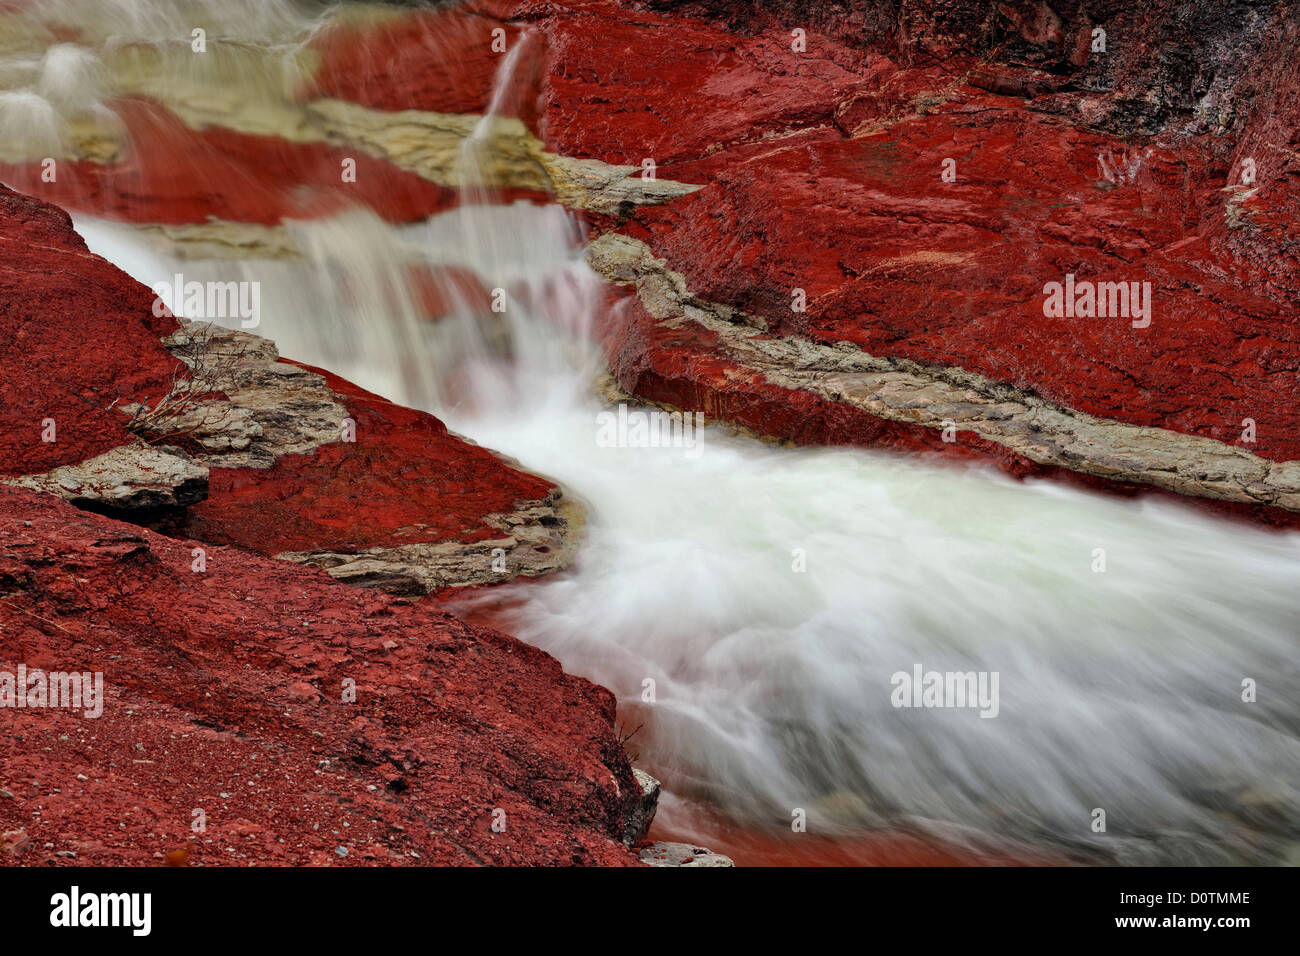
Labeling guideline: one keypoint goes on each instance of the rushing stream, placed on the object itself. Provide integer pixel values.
(765, 597)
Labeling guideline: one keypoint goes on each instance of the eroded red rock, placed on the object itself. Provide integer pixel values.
(822, 170)
(175, 174)
(227, 694)
(55, 296)
(404, 480)
(681, 367)
(898, 262)
(625, 86)
(442, 61)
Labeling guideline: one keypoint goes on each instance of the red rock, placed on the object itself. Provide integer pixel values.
(175, 174)
(1225, 59)
(901, 264)
(437, 60)
(624, 86)
(679, 367)
(667, 108)
(405, 480)
(822, 173)
(55, 296)
(202, 712)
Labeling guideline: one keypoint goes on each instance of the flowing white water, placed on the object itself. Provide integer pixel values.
(770, 594)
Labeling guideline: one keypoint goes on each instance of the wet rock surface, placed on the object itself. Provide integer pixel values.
(682, 854)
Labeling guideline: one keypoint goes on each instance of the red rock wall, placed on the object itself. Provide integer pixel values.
(1192, 64)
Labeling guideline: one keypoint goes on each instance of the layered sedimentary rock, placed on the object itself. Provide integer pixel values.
(825, 222)
(911, 202)
(207, 433)
(903, 180)
(851, 396)
(393, 501)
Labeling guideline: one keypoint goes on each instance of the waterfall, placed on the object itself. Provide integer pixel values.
(750, 605)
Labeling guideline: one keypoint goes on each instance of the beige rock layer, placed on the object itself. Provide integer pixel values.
(538, 538)
(272, 409)
(129, 477)
(940, 397)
